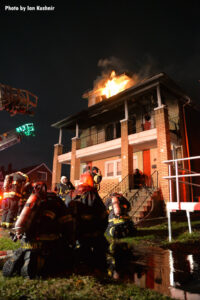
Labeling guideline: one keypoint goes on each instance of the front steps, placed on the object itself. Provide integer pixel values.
(141, 203)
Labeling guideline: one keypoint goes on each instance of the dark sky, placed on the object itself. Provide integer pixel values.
(55, 56)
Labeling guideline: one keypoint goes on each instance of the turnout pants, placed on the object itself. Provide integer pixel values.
(10, 209)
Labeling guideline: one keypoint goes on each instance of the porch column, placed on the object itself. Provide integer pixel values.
(163, 147)
(126, 155)
(56, 172)
(75, 162)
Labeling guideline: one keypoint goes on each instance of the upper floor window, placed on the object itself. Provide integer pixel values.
(109, 132)
(42, 175)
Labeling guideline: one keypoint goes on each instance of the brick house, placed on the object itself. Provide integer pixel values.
(139, 127)
(38, 172)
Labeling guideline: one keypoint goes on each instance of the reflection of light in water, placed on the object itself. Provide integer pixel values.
(191, 262)
(171, 265)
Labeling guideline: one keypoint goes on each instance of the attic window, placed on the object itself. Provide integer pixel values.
(42, 176)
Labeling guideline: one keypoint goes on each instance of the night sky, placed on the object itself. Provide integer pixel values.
(55, 55)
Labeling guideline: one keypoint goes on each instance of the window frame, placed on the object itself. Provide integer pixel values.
(42, 173)
(114, 161)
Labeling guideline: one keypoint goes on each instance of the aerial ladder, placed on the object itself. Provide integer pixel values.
(15, 136)
(17, 101)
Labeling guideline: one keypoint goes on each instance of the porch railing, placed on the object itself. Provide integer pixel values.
(123, 187)
(103, 136)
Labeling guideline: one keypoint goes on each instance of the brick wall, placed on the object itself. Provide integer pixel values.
(107, 185)
(56, 172)
(163, 147)
(75, 162)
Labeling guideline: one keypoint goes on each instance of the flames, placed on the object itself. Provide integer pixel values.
(115, 84)
(110, 85)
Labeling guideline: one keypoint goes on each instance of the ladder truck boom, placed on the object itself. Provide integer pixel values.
(17, 101)
(14, 136)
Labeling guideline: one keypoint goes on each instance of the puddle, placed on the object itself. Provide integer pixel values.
(172, 273)
(175, 274)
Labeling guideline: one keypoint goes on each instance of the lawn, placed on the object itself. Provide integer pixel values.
(94, 287)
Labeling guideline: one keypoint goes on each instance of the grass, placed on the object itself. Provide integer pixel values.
(88, 287)
(7, 244)
(73, 288)
(158, 235)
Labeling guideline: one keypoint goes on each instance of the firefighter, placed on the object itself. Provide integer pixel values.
(88, 222)
(26, 192)
(13, 187)
(63, 188)
(97, 177)
(119, 222)
(43, 231)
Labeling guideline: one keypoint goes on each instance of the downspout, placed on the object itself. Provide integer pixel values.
(187, 142)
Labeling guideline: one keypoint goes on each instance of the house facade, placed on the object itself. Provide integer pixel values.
(138, 128)
(39, 172)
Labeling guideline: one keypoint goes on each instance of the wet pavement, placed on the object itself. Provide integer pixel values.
(175, 274)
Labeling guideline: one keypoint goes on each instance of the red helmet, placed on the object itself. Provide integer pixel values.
(86, 179)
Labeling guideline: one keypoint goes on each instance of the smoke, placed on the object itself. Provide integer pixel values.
(137, 70)
(112, 63)
(107, 65)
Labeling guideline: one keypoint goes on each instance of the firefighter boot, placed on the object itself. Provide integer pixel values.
(13, 265)
(29, 269)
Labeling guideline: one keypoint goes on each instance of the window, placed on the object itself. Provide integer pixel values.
(132, 124)
(118, 130)
(113, 168)
(110, 169)
(119, 168)
(109, 132)
(82, 168)
(42, 175)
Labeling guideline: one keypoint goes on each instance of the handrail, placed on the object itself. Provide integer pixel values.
(114, 189)
(152, 181)
(151, 184)
(149, 189)
(135, 197)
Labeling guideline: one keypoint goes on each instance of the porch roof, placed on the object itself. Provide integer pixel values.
(104, 109)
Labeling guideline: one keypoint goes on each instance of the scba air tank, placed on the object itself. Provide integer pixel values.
(25, 219)
(116, 206)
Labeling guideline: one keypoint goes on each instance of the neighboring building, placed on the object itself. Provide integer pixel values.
(139, 127)
(38, 172)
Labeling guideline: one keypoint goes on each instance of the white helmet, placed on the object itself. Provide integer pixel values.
(62, 179)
